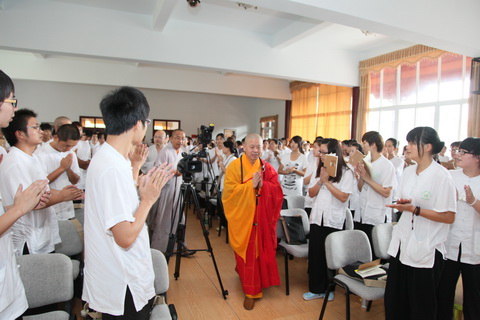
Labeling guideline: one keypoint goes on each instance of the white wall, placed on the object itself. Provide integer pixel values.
(52, 99)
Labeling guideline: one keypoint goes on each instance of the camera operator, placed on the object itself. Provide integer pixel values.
(164, 216)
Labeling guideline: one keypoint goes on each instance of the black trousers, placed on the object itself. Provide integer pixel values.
(129, 311)
(319, 275)
(411, 292)
(367, 228)
(471, 290)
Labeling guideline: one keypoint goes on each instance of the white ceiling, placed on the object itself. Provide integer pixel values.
(219, 46)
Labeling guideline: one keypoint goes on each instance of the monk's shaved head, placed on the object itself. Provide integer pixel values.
(253, 136)
(253, 147)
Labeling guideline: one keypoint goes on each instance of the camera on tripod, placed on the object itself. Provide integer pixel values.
(187, 165)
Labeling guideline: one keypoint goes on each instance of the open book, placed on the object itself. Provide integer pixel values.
(370, 269)
(330, 164)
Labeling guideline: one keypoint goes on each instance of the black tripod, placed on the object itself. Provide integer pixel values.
(187, 192)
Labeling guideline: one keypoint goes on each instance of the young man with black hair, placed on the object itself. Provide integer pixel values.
(375, 183)
(36, 231)
(62, 165)
(118, 264)
(47, 130)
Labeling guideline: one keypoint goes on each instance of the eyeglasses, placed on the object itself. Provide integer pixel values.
(321, 152)
(462, 152)
(148, 121)
(35, 127)
(14, 102)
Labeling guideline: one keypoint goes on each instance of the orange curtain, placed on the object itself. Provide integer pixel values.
(474, 100)
(304, 110)
(334, 112)
(320, 110)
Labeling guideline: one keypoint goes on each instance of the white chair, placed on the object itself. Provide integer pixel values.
(72, 242)
(300, 250)
(343, 248)
(295, 202)
(160, 267)
(47, 279)
(381, 237)
(348, 220)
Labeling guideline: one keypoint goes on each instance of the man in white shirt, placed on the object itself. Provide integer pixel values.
(62, 165)
(160, 138)
(84, 154)
(376, 183)
(36, 231)
(13, 301)
(118, 264)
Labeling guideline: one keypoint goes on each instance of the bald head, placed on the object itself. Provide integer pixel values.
(60, 121)
(160, 138)
(253, 147)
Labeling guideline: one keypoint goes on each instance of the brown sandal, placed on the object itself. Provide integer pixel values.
(248, 303)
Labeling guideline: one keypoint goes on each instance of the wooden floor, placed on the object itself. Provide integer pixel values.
(197, 295)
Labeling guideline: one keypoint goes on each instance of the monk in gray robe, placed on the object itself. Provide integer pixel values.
(165, 213)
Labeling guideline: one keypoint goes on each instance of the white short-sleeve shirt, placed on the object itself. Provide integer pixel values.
(38, 229)
(466, 228)
(328, 208)
(84, 152)
(51, 159)
(311, 170)
(292, 184)
(111, 197)
(415, 236)
(371, 209)
(13, 301)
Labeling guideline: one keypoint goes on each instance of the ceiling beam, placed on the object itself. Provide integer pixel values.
(162, 13)
(297, 31)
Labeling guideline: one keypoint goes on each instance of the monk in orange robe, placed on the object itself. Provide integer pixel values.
(252, 199)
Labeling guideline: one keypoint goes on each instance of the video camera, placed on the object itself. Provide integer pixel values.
(187, 165)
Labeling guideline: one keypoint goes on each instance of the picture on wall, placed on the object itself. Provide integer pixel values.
(229, 133)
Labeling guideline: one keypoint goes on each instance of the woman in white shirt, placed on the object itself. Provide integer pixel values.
(292, 166)
(463, 243)
(427, 198)
(310, 173)
(327, 216)
(229, 154)
(391, 145)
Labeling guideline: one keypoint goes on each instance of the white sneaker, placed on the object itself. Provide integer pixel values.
(311, 296)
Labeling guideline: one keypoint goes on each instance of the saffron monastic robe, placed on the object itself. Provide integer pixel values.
(252, 216)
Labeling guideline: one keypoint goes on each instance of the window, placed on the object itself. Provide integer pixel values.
(269, 127)
(92, 122)
(431, 92)
(166, 125)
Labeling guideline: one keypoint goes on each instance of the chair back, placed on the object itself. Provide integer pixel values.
(293, 212)
(160, 268)
(381, 237)
(71, 243)
(295, 202)
(346, 247)
(348, 220)
(47, 278)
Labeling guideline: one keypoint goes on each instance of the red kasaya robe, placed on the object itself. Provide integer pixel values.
(252, 223)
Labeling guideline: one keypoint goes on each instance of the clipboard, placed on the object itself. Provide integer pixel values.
(330, 164)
